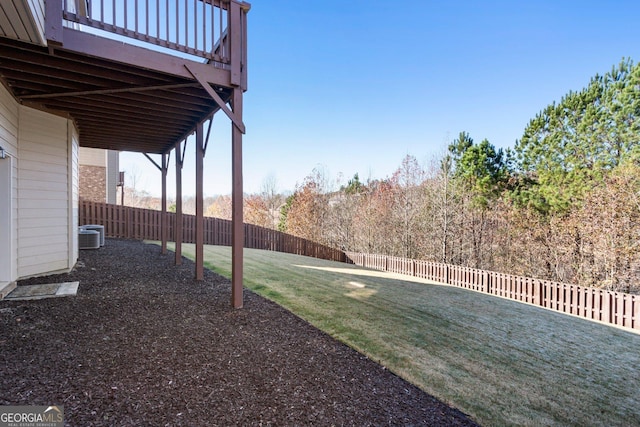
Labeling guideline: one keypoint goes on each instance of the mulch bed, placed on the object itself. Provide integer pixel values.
(143, 343)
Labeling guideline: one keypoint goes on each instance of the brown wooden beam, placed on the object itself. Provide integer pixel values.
(29, 54)
(237, 235)
(114, 121)
(153, 161)
(56, 75)
(235, 24)
(166, 113)
(161, 99)
(25, 76)
(164, 226)
(237, 120)
(110, 91)
(53, 21)
(101, 47)
(178, 226)
(245, 40)
(142, 147)
(199, 202)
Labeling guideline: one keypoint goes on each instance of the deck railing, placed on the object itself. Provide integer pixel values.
(204, 28)
(615, 308)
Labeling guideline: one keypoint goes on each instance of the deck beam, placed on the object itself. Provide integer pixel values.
(236, 119)
(101, 47)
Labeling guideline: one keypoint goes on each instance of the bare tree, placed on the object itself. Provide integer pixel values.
(273, 200)
(407, 182)
(307, 216)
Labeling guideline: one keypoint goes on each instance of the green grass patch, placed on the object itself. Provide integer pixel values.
(502, 362)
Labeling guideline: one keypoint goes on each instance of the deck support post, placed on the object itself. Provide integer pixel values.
(199, 202)
(237, 228)
(164, 226)
(237, 235)
(178, 225)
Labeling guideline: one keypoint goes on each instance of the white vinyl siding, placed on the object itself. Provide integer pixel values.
(23, 20)
(38, 192)
(9, 190)
(6, 269)
(43, 180)
(93, 157)
(37, 12)
(73, 173)
(112, 175)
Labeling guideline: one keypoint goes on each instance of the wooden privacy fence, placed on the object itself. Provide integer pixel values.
(614, 308)
(136, 223)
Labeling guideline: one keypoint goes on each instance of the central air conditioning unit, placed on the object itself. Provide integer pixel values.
(88, 239)
(95, 227)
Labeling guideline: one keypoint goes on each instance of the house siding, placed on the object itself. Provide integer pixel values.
(23, 20)
(93, 157)
(98, 174)
(8, 189)
(36, 8)
(45, 194)
(74, 150)
(113, 168)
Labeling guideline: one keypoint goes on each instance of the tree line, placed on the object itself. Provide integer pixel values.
(562, 204)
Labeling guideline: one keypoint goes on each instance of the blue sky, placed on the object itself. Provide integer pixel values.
(354, 86)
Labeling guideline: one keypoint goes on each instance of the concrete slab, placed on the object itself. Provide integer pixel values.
(49, 290)
(6, 288)
(67, 289)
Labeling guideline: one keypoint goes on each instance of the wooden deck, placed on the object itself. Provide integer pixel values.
(136, 75)
(131, 80)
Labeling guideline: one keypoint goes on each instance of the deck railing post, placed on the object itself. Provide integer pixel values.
(237, 28)
(244, 62)
(53, 21)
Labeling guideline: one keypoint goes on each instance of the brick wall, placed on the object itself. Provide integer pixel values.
(93, 183)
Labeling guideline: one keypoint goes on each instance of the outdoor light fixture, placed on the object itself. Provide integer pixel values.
(3, 153)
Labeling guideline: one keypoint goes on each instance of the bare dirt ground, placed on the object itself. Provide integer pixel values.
(143, 343)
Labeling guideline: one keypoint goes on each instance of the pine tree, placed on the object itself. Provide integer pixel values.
(571, 146)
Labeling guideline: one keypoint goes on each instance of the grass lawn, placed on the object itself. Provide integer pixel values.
(501, 362)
